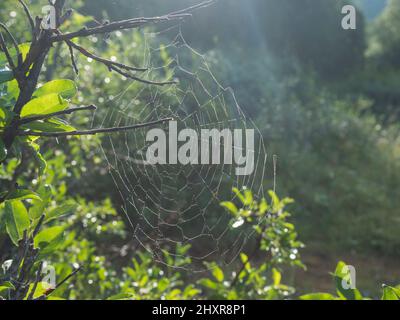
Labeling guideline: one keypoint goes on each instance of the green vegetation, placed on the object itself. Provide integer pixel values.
(388, 292)
(325, 101)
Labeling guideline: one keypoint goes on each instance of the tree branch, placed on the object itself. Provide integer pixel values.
(2, 25)
(51, 290)
(106, 62)
(115, 66)
(72, 56)
(92, 132)
(129, 24)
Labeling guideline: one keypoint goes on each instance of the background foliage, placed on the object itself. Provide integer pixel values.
(326, 101)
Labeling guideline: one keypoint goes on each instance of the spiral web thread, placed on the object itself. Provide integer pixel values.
(170, 205)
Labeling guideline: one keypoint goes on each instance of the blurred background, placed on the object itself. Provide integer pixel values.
(325, 99)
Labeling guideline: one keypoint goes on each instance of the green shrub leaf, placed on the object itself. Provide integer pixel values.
(49, 239)
(340, 277)
(318, 296)
(218, 274)
(17, 220)
(390, 293)
(61, 211)
(6, 75)
(276, 277)
(39, 158)
(121, 296)
(65, 88)
(51, 125)
(23, 49)
(230, 206)
(6, 286)
(38, 207)
(208, 283)
(23, 194)
(44, 105)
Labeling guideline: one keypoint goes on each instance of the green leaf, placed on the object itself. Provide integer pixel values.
(208, 283)
(121, 296)
(55, 298)
(274, 198)
(23, 194)
(17, 220)
(248, 197)
(41, 289)
(23, 49)
(50, 125)
(65, 88)
(2, 114)
(5, 116)
(6, 286)
(239, 195)
(44, 105)
(38, 207)
(12, 90)
(276, 277)
(263, 206)
(390, 293)
(61, 211)
(230, 206)
(3, 150)
(42, 163)
(39, 158)
(6, 75)
(218, 274)
(318, 296)
(245, 260)
(49, 239)
(341, 276)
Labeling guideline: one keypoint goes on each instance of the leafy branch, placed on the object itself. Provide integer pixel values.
(31, 112)
(94, 131)
(27, 71)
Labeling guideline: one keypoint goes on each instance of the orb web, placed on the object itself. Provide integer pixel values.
(167, 206)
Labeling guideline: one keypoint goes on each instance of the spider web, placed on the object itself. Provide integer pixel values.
(171, 205)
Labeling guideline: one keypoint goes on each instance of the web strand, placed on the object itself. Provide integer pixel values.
(176, 205)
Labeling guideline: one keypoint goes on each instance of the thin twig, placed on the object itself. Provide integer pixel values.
(37, 280)
(15, 43)
(69, 276)
(107, 62)
(113, 26)
(66, 16)
(51, 290)
(92, 132)
(73, 62)
(150, 82)
(203, 4)
(30, 18)
(6, 52)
